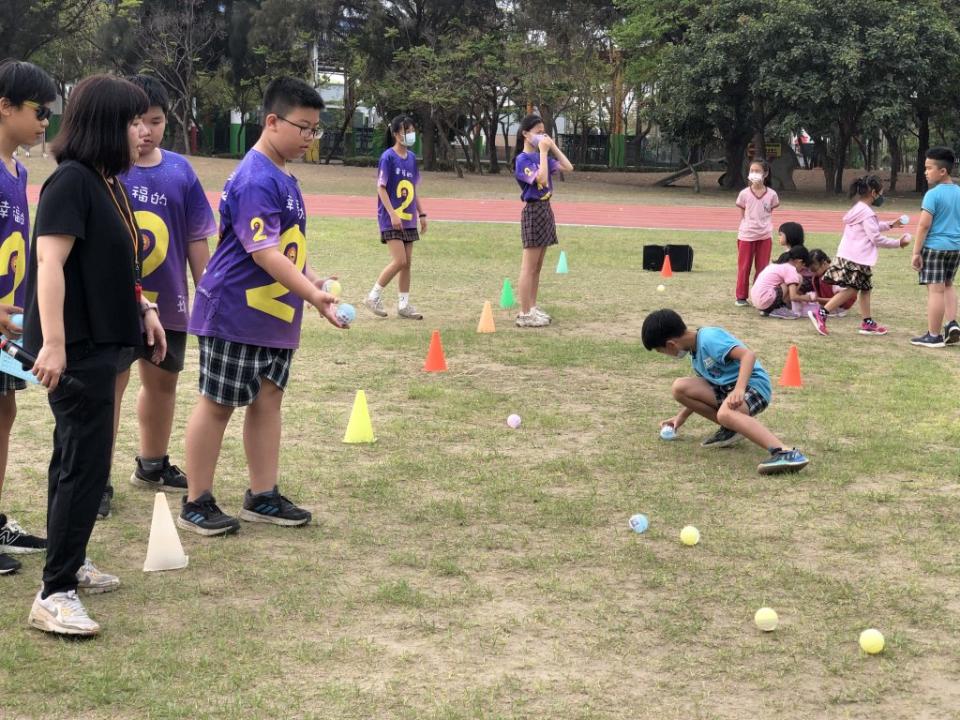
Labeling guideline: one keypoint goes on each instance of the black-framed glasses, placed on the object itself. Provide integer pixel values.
(43, 112)
(307, 133)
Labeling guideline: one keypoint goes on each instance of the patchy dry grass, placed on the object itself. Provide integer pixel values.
(460, 569)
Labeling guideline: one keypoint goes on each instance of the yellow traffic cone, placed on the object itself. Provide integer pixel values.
(359, 429)
(486, 324)
(164, 551)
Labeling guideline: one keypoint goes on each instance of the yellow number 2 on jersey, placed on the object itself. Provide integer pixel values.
(265, 298)
(13, 244)
(405, 193)
(154, 255)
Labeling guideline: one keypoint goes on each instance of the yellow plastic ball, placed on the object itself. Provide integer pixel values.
(871, 641)
(689, 535)
(766, 619)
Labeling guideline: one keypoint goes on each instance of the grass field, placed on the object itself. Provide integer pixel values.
(460, 569)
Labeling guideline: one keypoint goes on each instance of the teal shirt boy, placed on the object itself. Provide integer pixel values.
(713, 363)
(943, 203)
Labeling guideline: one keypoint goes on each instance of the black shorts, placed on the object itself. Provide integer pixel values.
(847, 274)
(9, 383)
(777, 301)
(403, 235)
(538, 227)
(231, 372)
(173, 362)
(752, 398)
(939, 266)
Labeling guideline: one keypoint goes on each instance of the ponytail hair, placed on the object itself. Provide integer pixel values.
(864, 185)
(529, 121)
(398, 124)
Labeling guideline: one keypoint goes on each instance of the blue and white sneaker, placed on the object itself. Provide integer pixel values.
(951, 333)
(204, 517)
(273, 508)
(783, 461)
(928, 340)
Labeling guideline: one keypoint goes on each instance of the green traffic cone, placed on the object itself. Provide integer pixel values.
(507, 300)
(562, 264)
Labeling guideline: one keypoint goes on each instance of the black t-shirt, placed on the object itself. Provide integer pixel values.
(100, 276)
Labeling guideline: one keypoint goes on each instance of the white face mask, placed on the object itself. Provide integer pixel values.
(410, 138)
(681, 354)
(755, 177)
(535, 139)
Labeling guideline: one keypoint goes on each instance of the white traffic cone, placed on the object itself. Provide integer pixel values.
(164, 551)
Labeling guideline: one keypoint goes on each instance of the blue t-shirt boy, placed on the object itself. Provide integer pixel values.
(711, 361)
(943, 203)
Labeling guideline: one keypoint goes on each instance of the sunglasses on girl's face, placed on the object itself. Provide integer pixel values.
(43, 112)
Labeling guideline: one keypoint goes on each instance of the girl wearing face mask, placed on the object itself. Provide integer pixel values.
(398, 210)
(852, 269)
(533, 168)
(757, 202)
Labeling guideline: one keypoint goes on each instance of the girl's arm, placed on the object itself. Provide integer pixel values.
(421, 213)
(543, 172)
(794, 294)
(565, 164)
(52, 253)
(872, 227)
(385, 199)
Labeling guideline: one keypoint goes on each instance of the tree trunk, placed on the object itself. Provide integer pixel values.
(864, 152)
(896, 158)
(490, 130)
(734, 150)
(429, 142)
(840, 161)
(923, 144)
(759, 145)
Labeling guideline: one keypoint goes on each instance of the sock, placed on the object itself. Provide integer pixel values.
(403, 300)
(823, 311)
(269, 493)
(152, 465)
(775, 450)
(376, 291)
(867, 320)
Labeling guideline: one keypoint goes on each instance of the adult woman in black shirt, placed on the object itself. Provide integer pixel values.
(83, 305)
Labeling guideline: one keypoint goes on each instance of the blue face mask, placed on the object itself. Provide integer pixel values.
(410, 138)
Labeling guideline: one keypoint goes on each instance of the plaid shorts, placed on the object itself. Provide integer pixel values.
(9, 382)
(406, 235)
(939, 266)
(847, 274)
(752, 398)
(538, 228)
(231, 372)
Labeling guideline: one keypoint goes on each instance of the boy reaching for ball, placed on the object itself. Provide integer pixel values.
(730, 388)
(247, 314)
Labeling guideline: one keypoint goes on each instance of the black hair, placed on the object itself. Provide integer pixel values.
(766, 169)
(818, 256)
(21, 81)
(792, 233)
(862, 186)
(156, 93)
(399, 123)
(529, 121)
(798, 252)
(284, 94)
(95, 123)
(943, 157)
(660, 326)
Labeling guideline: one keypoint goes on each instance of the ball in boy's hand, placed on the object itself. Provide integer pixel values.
(904, 219)
(333, 287)
(661, 288)
(514, 421)
(346, 313)
(667, 432)
(17, 320)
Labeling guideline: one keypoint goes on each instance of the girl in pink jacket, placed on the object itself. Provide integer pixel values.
(852, 269)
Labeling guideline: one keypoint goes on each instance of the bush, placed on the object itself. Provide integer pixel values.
(362, 161)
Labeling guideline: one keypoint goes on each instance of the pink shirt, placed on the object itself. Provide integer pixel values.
(764, 290)
(863, 234)
(757, 223)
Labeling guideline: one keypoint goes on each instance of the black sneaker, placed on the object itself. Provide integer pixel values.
(8, 564)
(722, 438)
(928, 340)
(169, 478)
(272, 508)
(203, 517)
(16, 542)
(951, 333)
(103, 512)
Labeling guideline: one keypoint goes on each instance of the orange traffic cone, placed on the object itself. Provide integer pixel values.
(486, 324)
(791, 371)
(666, 270)
(435, 362)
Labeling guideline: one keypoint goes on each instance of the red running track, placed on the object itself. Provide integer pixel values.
(674, 217)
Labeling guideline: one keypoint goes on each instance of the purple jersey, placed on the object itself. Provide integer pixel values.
(172, 212)
(528, 165)
(400, 177)
(14, 235)
(261, 207)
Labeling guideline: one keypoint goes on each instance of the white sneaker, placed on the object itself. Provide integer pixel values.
(375, 305)
(531, 319)
(93, 581)
(409, 311)
(540, 313)
(62, 613)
